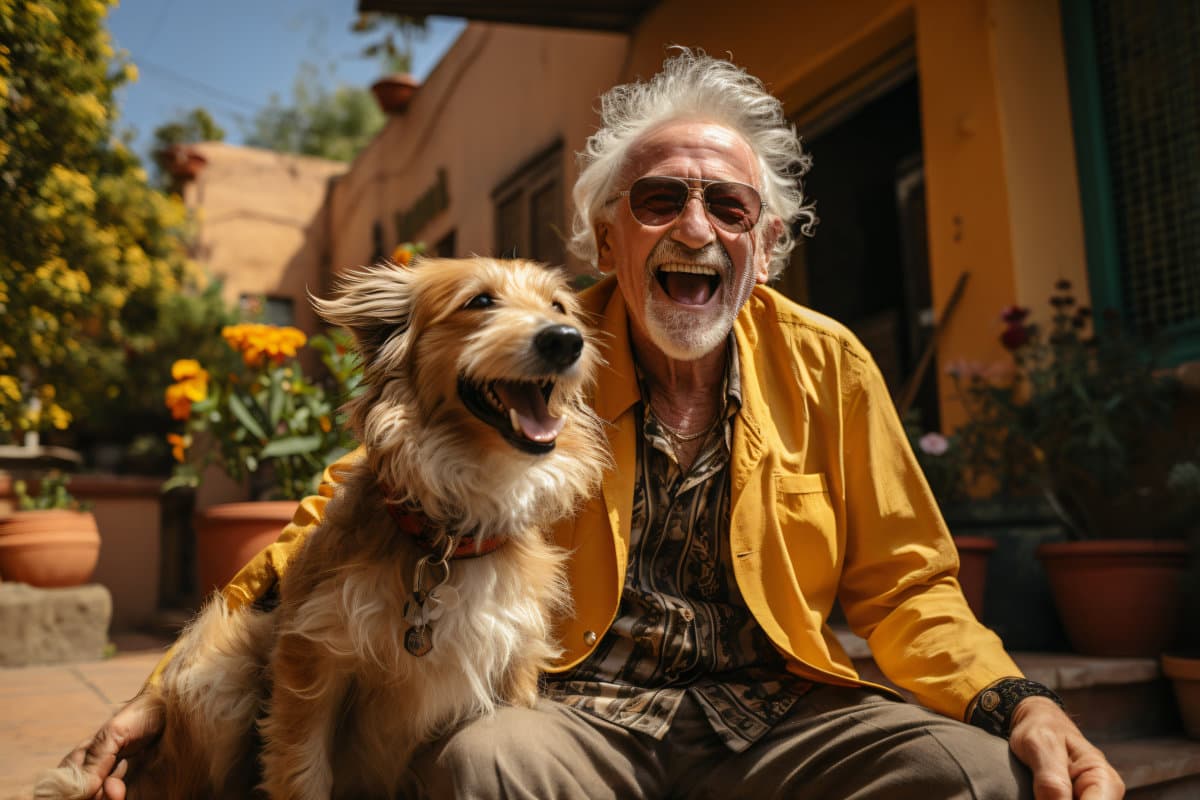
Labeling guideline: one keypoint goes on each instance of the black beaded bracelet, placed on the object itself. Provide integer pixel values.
(992, 709)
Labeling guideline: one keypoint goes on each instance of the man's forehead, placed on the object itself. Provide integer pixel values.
(696, 144)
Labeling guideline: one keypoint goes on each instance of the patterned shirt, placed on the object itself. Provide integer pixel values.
(683, 627)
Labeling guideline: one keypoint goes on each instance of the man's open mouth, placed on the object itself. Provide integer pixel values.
(688, 284)
(516, 409)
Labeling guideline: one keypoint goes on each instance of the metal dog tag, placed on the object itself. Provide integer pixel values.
(419, 640)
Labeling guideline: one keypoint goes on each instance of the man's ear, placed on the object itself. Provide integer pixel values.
(765, 250)
(604, 246)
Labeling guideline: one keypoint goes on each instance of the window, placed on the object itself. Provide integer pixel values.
(1135, 96)
(529, 210)
(272, 310)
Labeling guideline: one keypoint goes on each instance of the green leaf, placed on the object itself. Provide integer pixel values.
(294, 445)
(244, 416)
(275, 404)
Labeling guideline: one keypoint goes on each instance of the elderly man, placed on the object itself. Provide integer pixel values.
(761, 474)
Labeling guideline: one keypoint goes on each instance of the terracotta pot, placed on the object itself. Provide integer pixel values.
(973, 553)
(393, 93)
(1185, 675)
(49, 548)
(229, 535)
(1117, 597)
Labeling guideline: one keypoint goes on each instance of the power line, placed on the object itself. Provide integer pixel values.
(200, 86)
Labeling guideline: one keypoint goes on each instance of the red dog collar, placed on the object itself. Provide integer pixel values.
(411, 520)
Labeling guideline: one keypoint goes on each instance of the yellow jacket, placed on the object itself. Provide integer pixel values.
(827, 502)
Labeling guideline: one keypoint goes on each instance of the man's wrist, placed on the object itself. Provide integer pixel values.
(993, 708)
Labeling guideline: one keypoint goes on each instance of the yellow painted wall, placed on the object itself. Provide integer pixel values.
(501, 95)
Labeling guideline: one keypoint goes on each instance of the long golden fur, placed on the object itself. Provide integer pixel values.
(448, 346)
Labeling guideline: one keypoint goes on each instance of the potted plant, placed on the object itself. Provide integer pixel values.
(265, 423)
(396, 89)
(51, 540)
(1082, 421)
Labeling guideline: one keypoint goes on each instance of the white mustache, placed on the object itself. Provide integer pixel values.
(669, 251)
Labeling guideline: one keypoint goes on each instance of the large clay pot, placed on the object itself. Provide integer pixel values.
(50, 548)
(1117, 597)
(230, 534)
(973, 552)
(1185, 675)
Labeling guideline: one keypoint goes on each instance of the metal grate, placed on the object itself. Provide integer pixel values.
(1149, 67)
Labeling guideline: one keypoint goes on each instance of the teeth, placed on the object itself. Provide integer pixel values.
(694, 269)
(516, 423)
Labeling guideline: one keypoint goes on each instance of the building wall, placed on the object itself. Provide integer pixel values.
(260, 222)
(1001, 187)
(501, 95)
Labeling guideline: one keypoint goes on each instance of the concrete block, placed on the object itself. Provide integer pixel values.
(53, 626)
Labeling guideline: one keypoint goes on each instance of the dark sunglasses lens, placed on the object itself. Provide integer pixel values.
(657, 201)
(733, 205)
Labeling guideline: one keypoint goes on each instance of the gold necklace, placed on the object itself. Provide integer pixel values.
(683, 438)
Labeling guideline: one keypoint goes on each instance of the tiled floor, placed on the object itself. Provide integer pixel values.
(46, 711)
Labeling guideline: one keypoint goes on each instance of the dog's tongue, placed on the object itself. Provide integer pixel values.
(688, 288)
(525, 399)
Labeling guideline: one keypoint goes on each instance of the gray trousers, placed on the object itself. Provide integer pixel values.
(836, 743)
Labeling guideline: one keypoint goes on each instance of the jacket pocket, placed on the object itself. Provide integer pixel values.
(808, 529)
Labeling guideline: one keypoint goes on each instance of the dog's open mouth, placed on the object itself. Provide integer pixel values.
(516, 409)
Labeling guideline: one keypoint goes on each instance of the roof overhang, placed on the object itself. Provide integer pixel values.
(597, 15)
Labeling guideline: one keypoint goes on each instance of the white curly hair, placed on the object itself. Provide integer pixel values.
(694, 85)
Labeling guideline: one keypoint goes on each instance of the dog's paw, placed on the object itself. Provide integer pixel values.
(68, 782)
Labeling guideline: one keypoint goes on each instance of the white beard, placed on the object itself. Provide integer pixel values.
(688, 333)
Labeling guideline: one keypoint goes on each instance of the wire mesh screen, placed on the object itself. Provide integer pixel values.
(1149, 66)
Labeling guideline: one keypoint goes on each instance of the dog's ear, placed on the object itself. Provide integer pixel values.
(373, 303)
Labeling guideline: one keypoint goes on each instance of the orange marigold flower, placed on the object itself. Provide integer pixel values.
(186, 368)
(179, 445)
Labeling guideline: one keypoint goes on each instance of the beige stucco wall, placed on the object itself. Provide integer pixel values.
(501, 95)
(260, 226)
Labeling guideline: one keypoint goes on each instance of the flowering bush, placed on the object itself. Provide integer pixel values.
(258, 415)
(1075, 420)
(942, 461)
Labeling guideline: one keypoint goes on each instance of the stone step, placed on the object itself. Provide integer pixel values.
(1157, 769)
(1111, 699)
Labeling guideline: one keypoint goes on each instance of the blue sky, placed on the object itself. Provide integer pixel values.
(230, 56)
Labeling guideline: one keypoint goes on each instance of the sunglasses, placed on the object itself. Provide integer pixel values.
(659, 199)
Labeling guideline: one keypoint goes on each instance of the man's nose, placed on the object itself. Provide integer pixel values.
(693, 228)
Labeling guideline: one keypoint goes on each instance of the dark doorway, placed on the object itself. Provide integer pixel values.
(867, 266)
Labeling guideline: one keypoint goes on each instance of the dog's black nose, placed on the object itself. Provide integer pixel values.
(560, 345)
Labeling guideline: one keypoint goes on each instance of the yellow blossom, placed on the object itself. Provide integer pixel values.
(131, 73)
(10, 387)
(60, 418)
(191, 387)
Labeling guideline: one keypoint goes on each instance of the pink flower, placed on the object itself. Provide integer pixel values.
(934, 444)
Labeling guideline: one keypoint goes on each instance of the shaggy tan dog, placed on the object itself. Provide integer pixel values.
(425, 595)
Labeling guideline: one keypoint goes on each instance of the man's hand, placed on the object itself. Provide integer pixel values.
(103, 758)
(1065, 765)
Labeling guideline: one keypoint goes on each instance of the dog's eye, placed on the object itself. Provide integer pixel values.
(480, 301)
(559, 307)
